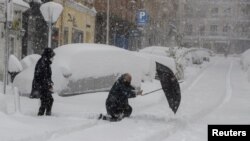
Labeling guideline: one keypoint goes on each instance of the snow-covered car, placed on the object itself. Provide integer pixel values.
(167, 61)
(169, 53)
(245, 62)
(183, 56)
(156, 50)
(197, 58)
(80, 68)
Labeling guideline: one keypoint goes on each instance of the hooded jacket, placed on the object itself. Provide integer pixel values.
(119, 93)
(42, 81)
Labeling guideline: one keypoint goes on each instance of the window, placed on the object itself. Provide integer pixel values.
(77, 36)
(188, 10)
(226, 28)
(88, 37)
(227, 11)
(66, 35)
(202, 30)
(245, 9)
(214, 11)
(213, 29)
(189, 29)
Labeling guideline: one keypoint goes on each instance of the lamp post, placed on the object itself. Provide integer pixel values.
(107, 26)
(8, 21)
(51, 12)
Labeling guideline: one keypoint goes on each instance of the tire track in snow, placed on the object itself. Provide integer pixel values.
(200, 75)
(181, 124)
(229, 90)
(222, 100)
(47, 135)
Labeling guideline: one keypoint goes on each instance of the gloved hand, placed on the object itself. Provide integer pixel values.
(139, 92)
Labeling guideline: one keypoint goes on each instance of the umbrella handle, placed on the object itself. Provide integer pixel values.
(151, 92)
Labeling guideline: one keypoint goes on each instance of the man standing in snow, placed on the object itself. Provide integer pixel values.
(117, 105)
(42, 86)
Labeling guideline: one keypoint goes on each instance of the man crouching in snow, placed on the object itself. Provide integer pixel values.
(117, 105)
(42, 86)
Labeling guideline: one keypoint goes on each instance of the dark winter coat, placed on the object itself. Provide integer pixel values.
(42, 82)
(119, 94)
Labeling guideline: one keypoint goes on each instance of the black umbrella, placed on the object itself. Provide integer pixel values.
(170, 86)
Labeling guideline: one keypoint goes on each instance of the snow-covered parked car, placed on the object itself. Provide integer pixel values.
(156, 50)
(167, 55)
(167, 61)
(245, 62)
(199, 55)
(81, 68)
(183, 56)
(197, 58)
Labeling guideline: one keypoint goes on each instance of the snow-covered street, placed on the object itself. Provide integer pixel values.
(217, 93)
(124, 70)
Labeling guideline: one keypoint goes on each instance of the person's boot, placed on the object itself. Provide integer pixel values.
(100, 117)
(39, 114)
(49, 107)
(127, 112)
(104, 117)
(41, 111)
(48, 113)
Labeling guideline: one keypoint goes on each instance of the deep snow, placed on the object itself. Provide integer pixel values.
(216, 93)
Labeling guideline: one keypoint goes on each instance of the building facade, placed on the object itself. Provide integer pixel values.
(122, 22)
(161, 29)
(220, 25)
(76, 24)
(15, 32)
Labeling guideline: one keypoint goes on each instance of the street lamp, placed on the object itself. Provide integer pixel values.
(51, 12)
(107, 33)
(132, 37)
(8, 23)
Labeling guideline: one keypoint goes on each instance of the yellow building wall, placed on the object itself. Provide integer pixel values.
(75, 20)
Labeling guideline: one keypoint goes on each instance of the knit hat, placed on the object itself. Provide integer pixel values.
(48, 52)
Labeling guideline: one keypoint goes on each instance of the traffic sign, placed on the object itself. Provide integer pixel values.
(142, 17)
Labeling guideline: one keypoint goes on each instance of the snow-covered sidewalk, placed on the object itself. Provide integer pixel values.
(218, 93)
